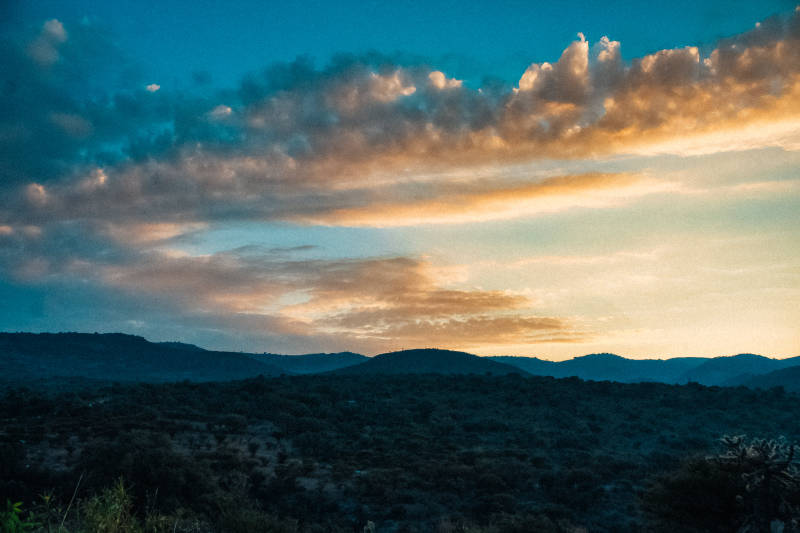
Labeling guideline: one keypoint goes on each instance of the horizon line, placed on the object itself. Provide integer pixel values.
(648, 358)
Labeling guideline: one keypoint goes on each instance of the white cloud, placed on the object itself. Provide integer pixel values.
(440, 81)
(44, 49)
(221, 111)
(55, 30)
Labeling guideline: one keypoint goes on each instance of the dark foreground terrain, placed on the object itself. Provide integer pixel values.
(388, 453)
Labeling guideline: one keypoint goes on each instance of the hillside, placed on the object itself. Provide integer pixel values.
(118, 357)
(728, 371)
(311, 363)
(302, 454)
(430, 361)
(608, 367)
(736, 368)
(788, 378)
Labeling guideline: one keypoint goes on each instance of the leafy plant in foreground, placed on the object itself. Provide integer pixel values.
(11, 520)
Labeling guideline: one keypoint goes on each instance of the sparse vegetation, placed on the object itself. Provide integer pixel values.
(752, 486)
(408, 453)
(13, 521)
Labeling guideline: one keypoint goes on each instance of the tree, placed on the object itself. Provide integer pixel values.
(752, 486)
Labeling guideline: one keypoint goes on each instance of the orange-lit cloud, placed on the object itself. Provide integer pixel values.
(335, 145)
(375, 303)
(95, 190)
(482, 201)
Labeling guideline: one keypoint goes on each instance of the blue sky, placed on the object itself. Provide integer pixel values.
(499, 177)
(475, 39)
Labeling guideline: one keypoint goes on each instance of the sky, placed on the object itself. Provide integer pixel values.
(504, 178)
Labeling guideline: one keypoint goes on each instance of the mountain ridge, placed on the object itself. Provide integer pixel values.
(710, 371)
(124, 357)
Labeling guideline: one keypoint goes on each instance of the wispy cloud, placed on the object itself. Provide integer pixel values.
(482, 201)
(374, 303)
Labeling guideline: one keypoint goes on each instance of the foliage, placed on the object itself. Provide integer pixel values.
(771, 479)
(752, 486)
(111, 511)
(408, 453)
(11, 520)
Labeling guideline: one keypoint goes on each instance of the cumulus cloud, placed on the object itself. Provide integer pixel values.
(441, 81)
(567, 80)
(331, 137)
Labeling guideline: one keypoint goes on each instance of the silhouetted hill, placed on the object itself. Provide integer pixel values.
(119, 357)
(735, 369)
(608, 367)
(788, 378)
(181, 345)
(430, 361)
(312, 363)
(531, 365)
(732, 370)
(28, 357)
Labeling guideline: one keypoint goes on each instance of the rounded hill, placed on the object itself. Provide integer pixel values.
(430, 361)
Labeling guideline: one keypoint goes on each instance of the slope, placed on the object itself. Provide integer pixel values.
(430, 361)
(120, 357)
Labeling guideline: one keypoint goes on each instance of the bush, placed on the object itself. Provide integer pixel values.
(750, 487)
(11, 520)
(110, 511)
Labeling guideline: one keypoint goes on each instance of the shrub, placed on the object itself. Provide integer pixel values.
(750, 487)
(110, 511)
(11, 520)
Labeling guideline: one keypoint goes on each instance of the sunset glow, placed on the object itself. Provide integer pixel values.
(592, 201)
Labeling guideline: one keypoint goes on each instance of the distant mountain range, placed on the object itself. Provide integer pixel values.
(733, 370)
(120, 357)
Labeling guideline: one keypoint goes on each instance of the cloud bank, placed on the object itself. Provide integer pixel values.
(350, 135)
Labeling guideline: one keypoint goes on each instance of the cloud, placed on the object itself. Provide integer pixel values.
(372, 303)
(44, 49)
(101, 171)
(565, 81)
(471, 203)
(346, 137)
(376, 302)
(137, 234)
(221, 111)
(441, 81)
(36, 194)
